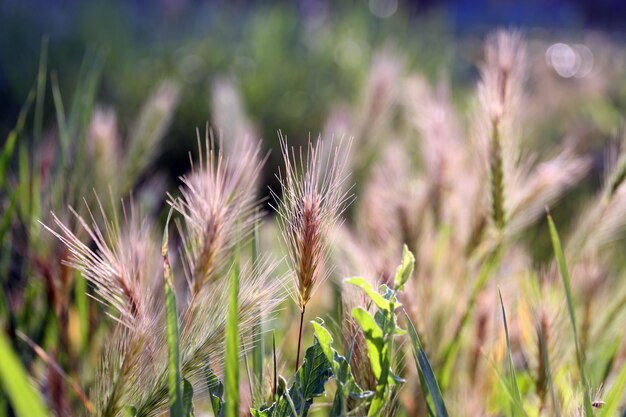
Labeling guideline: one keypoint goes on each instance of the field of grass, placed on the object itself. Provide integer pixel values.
(436, 250)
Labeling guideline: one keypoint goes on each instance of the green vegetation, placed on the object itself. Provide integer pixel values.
(433, 201)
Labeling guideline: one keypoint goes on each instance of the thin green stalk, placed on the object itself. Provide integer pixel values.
(232, 345)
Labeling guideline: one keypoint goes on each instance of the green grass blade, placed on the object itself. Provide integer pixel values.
(426, 371)
(562, 264)
(16, 384)
(64, 138)
(614, 395)
(173, 354)
(41, 89)
(258, 342)
(9, 144)
(232, 345)
(82, 306)
(517, 398)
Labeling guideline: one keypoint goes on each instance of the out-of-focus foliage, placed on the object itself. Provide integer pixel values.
(458, 144)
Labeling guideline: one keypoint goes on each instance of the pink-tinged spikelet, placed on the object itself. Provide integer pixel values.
(312, 201)
(218, 203)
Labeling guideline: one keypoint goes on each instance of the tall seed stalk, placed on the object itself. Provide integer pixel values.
(313, 198)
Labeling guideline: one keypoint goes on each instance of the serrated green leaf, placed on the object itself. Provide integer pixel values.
(405, 269)
(308, 384)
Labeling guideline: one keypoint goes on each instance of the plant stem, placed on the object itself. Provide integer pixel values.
(300, 337)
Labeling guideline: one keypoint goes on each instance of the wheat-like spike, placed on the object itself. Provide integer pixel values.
(218, 205)
(309, 209)
(123, 269)
(123, 266)
(499, 93)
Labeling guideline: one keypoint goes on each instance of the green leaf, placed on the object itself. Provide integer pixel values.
(16, 383)
(308, 384)
(232, 345)
(376, 297)
(311, 377)
(129, 411)
(379, 347)
(188, 398)
(517, 398)
(171, 313)
(347, 386)
(216, 391)
(425, 370)
(324, 338)
(405, 269)
(373, 338)
(560, 259)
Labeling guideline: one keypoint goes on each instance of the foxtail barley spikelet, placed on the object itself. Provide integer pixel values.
(499, 93)
(310, 207)
(218, 204)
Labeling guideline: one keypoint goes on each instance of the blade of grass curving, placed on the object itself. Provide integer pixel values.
(25, 182)
(41, 88)
(173, 353)
(517, 398)
(64, 138)
(562, 264)
(9, 144)
(425, 371)
(614, 395)
(15, 382)
(232, 345)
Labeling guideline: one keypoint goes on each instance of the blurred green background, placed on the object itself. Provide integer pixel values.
(295, 64)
